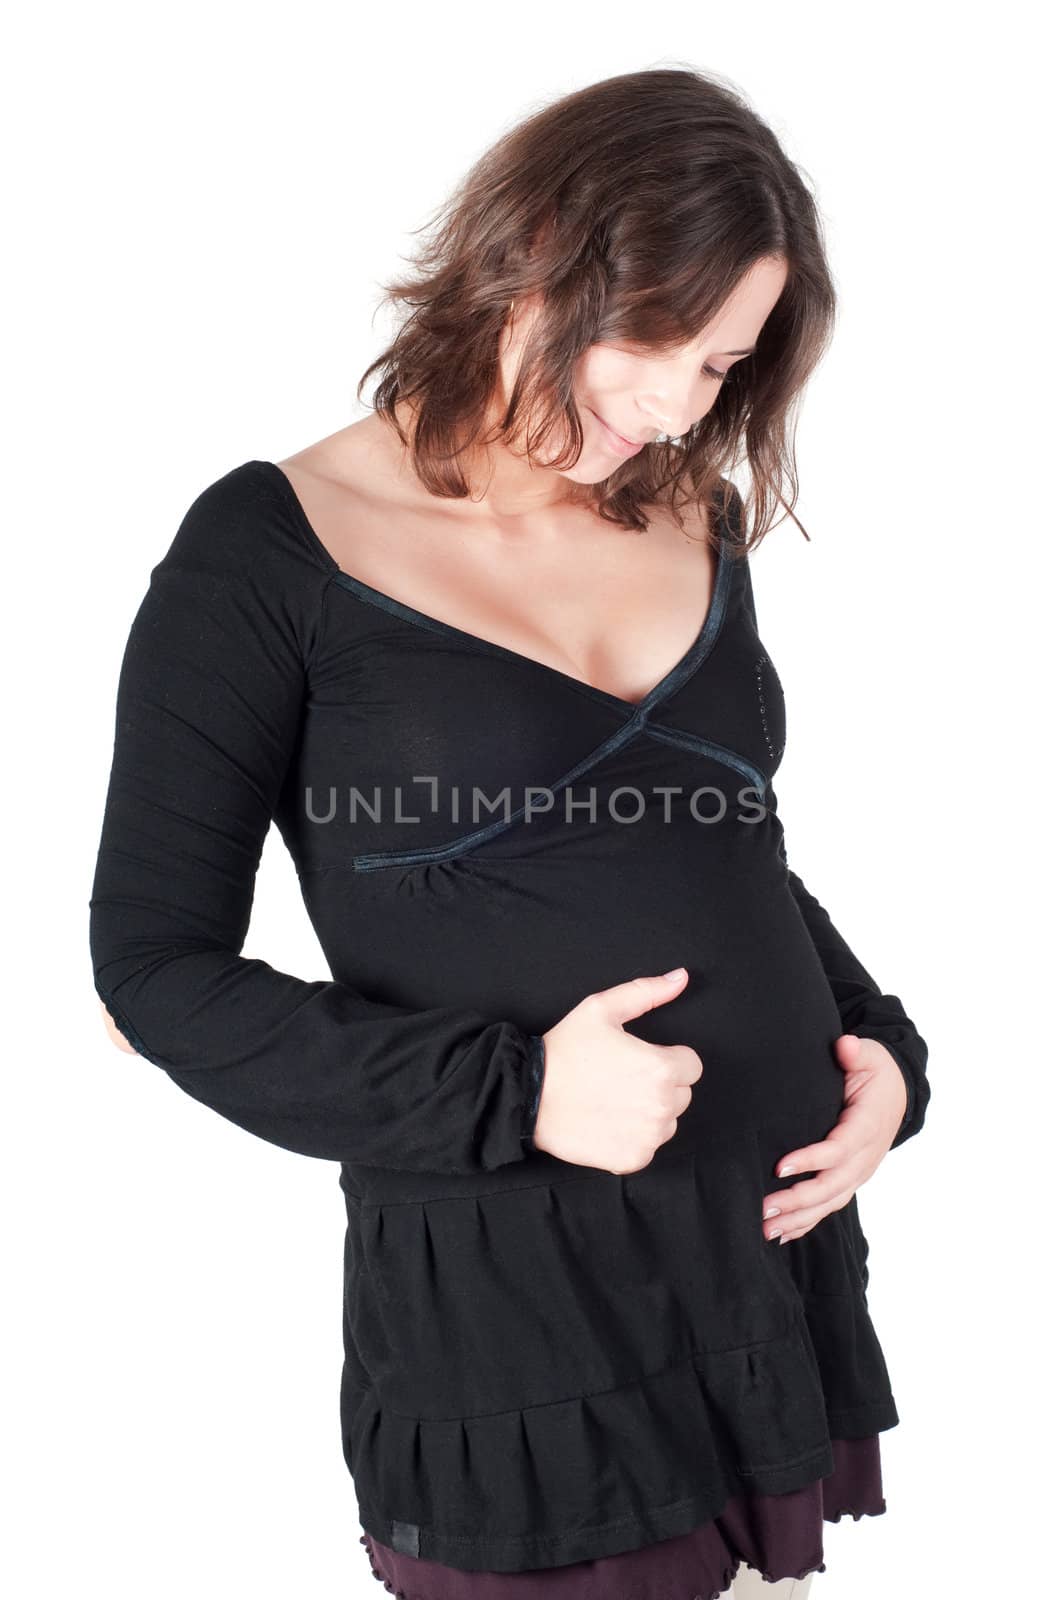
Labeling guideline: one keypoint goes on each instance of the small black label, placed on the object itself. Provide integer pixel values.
(406, 1538)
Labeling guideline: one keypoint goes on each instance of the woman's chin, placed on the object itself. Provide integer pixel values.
(594, 466)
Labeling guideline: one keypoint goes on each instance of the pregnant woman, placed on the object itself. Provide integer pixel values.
(601, 1076)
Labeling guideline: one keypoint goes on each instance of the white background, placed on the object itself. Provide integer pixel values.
(202, 203)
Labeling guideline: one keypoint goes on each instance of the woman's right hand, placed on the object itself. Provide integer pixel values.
(610, 1099)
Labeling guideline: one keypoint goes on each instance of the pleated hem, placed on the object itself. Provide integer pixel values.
(713, 1587)
(496, 1493)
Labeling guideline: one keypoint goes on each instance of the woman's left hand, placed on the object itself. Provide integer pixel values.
(876, 1097)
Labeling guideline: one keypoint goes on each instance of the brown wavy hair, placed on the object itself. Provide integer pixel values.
(630, 209)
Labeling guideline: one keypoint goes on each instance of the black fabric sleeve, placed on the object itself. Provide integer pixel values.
(862, 1006)
(210, 697)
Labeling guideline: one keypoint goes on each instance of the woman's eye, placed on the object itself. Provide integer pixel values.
(710, 372)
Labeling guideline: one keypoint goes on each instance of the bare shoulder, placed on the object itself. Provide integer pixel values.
(366, 505)
(697, 517)
(359, 459)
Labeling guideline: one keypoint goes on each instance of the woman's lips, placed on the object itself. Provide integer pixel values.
(616, 441)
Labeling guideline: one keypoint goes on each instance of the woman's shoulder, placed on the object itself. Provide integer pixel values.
(364, 511)
(718, 511)
(245, 526)
(239, 579)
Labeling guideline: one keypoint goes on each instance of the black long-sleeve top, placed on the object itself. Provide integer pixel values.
(543, 1362)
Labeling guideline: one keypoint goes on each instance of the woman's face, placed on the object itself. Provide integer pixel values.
(624, 393)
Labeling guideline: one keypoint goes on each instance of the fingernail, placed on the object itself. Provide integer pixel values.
(773, 1211)
(676, 972)
(784, 1171)
(774, 1232)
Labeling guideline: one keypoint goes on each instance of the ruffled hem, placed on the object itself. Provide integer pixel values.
(727, 1578)
(593, 1411)
(413, 1594)
(750, 1421)
(778, 1536)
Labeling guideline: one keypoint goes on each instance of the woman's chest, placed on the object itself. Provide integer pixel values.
(611, 607)
(422, 741)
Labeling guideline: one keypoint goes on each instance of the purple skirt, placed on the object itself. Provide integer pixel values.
(781, 1535)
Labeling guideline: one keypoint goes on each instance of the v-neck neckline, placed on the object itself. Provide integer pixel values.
(690, 660)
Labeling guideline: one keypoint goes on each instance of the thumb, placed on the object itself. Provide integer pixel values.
(848, 1047)
(639, 995)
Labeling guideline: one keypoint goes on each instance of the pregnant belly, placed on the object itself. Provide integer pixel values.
(553, 1279)
(527, 937)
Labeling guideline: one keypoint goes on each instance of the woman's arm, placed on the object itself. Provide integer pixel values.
(210, 699)
(862, 1007)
